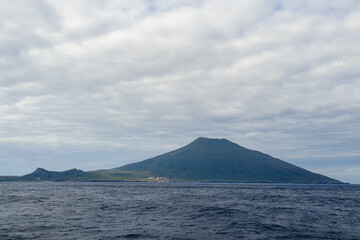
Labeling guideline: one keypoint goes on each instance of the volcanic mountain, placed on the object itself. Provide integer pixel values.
(205, 159)
(208, 159)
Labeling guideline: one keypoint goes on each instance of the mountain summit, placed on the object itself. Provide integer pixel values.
(207, 159)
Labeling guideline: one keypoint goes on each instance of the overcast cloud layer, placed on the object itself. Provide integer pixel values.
(98, 84)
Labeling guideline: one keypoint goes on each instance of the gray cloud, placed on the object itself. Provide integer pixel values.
(97, 84)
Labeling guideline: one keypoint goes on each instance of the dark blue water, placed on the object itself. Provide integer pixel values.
(41, 210)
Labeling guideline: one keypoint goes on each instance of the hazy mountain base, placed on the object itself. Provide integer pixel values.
(116, 175)
(75, 175)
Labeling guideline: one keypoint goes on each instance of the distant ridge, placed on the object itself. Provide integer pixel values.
(207, 159)
(42, 174)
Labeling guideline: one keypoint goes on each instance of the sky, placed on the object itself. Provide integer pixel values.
(97, 84)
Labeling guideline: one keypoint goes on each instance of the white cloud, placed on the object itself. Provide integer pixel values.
(132, 79)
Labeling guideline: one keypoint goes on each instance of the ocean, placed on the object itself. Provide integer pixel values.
(65, 210)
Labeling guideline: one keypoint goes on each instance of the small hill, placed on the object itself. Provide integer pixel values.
(68, 175)
(208, 159)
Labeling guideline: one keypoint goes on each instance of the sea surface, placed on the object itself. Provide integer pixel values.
(50, 210)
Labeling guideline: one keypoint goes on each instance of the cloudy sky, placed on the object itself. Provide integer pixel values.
(98, 84)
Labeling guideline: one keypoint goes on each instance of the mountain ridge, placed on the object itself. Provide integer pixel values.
(45, 175)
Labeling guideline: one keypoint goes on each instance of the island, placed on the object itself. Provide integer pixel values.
(203, 160)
